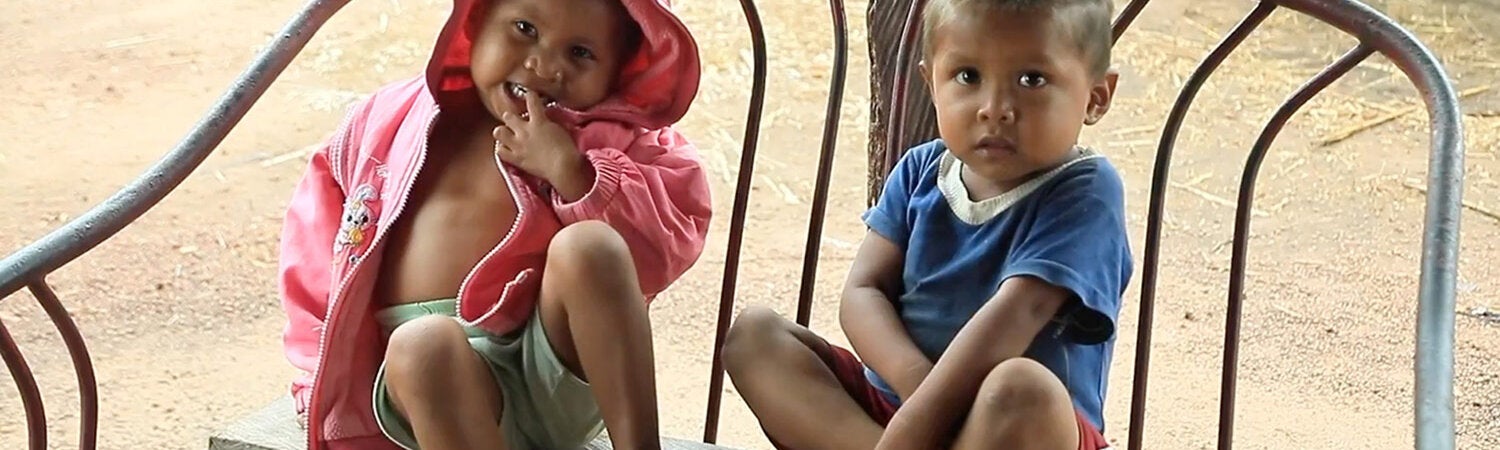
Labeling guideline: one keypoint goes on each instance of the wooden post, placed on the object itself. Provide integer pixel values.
(885, 19)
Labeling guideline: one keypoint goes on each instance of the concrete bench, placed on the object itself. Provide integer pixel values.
(275, 428)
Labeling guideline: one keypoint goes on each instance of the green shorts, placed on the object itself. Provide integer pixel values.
(545, 405)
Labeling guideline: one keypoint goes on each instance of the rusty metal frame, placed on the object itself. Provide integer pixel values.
(1375, 32)
(1438, 283)
(29, 266)
(737, 219)
(742, 191)
(1156, 209)
(1242, 227)
(31, 397)
(825, 161)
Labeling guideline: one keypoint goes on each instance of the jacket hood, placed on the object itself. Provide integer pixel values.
(654, 89)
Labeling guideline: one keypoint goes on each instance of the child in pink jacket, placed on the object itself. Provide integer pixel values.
(467, 262)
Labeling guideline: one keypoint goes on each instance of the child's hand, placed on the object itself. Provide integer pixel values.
(542, 148)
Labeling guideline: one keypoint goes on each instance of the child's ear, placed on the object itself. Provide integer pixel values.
(926, 71)
(1100, 96)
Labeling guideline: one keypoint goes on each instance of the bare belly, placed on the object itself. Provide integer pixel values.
(458, 212)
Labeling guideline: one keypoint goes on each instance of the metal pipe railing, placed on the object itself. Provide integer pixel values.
(1433, 402)
(1156, 209)
(737, 218)
(30, 265)
(825, 162)
(102, 222)
(1437, 286)
(1230, 370)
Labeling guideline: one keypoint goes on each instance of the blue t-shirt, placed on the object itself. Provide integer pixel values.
(1066, 227)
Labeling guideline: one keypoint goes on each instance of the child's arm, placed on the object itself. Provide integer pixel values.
(868, 311)
(1073, 257)
(312, 218)
(652, 191)
(1002, 329)
(869, 318)
(306, 259)
(655, 194)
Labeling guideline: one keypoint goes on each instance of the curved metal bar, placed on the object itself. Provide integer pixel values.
(737, 220)
(31, 397)
(1437, 289)
(825, 162)
(894, 148)
(1126, 17)
(119, 210)
(83, 366)
(1158, 201)
(1242, 227)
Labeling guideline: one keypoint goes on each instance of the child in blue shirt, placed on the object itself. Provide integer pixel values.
(983, 298)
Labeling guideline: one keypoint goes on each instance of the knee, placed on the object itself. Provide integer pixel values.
(589, 247)
(753, 335)
(1020, 387)
(423, 348)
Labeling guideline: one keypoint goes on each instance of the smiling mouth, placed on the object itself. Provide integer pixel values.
(518, 91)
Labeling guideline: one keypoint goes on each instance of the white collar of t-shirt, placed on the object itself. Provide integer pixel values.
(976, 212)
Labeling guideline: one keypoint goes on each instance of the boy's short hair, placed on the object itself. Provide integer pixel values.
(1088, 22)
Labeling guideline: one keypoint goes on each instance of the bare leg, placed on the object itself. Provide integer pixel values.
(1022, 406)
(595, 316)
(442, 387)
(783, 372)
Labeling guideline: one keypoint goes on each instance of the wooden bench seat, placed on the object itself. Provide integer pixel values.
(274, 427)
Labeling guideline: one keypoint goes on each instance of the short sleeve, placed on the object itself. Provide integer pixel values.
(1078, 241)
(891, 215)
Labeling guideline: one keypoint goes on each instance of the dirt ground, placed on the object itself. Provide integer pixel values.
(182, 318)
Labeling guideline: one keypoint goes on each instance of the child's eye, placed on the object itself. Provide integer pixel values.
(583, 53)
(525, 28)
(967, 76)
(1032, 80)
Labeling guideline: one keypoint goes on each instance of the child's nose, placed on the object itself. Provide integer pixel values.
(542, 67)
(998, 109)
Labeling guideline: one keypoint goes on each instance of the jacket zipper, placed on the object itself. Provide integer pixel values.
(510, 184)
(315, 423)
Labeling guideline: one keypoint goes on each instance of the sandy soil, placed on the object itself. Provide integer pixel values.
(183, 322)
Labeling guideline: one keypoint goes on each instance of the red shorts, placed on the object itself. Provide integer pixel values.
(851, 374)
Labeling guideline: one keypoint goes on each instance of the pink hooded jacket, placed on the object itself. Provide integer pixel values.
(649, 186)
